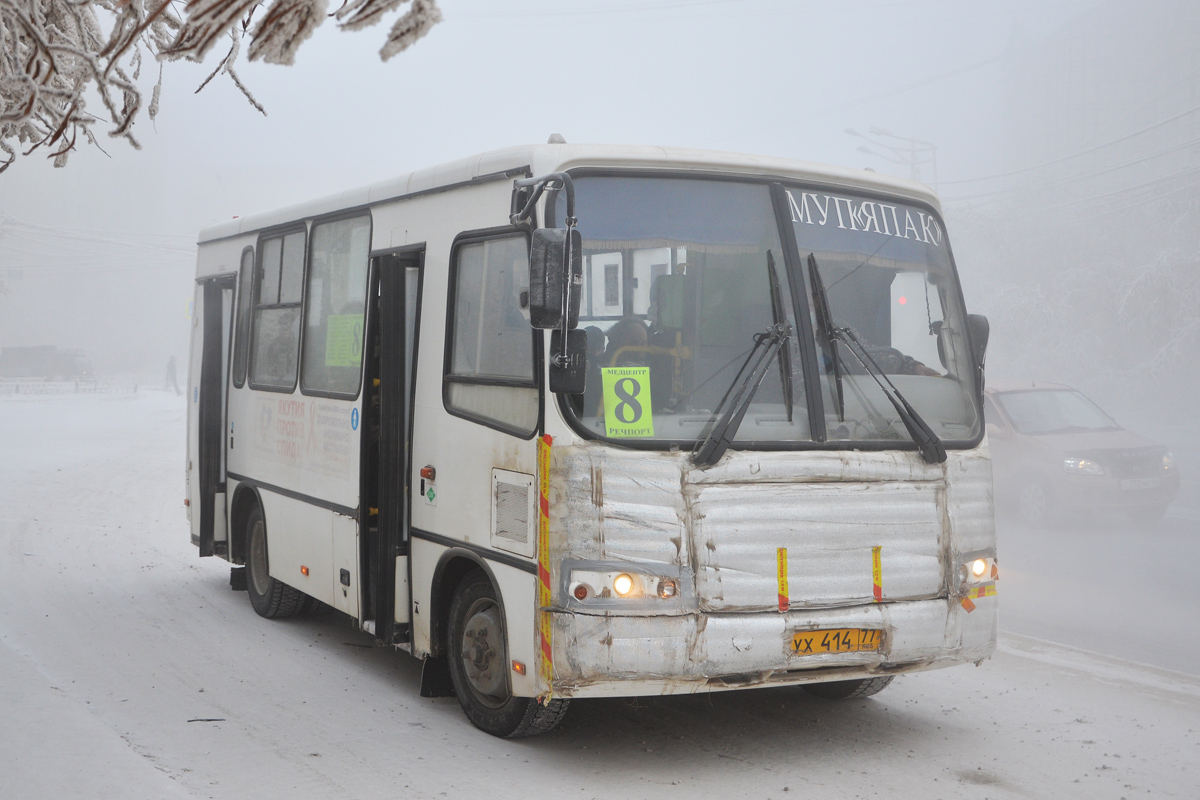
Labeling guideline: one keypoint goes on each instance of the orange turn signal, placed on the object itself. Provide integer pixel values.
(304, 571)
(518, 668)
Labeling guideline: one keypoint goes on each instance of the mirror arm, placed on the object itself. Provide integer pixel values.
(560, 359)
(555, 180)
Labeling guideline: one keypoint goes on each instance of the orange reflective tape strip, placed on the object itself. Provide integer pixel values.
(877, 572)
(546, 656)
(979, 592)
(781, 570)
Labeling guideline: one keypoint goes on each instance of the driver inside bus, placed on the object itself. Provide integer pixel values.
(627, 332)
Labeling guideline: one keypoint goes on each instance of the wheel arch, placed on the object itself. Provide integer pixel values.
(244, 499)
(454, 565)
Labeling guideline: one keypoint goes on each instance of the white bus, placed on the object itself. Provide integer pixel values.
(588, 421)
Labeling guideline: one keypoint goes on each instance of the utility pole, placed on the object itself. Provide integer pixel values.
(915, 153)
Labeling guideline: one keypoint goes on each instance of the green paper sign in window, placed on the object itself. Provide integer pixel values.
(628, 411)
(344, 340)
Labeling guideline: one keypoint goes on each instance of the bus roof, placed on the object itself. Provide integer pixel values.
(545, 158)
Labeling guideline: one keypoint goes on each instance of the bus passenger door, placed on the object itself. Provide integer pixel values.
(386, 454)
(208, 473)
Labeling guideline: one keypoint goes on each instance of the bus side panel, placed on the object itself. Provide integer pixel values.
(462, 452)
(300, 540)
(345, 565)
(193, 413)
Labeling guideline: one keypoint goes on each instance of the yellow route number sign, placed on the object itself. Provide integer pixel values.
(344, 340)
(627, 408)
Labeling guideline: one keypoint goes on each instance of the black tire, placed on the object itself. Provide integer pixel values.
(849, 690)
(478, 655)
(271, 598)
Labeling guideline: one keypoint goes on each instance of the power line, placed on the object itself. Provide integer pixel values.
(1078, 177)
(1125, 138)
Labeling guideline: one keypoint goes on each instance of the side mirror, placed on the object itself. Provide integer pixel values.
(548, 277)
(568, 367)
(980, 330)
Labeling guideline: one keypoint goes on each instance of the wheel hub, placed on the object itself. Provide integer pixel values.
(482, 646)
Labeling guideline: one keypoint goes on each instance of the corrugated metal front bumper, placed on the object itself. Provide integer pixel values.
(630, 655)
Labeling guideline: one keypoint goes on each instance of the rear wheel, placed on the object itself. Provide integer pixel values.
(849, 690)
(271, 598)
(479, 667)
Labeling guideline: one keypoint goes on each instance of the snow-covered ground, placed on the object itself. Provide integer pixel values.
(128, 669)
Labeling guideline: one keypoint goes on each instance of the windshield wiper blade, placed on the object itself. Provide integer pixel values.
(733, 405)
(825, 322)
(926, 440)
(785, 355)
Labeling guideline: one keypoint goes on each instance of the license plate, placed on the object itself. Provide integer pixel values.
(1141, 483)
(836, 640)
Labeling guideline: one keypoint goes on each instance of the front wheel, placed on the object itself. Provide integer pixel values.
(479, 667)
(271, 598)
(849, 690)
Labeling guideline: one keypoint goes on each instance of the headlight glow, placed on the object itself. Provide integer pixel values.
(1082, 466)
(978, 567)
(622, 584)
(1168, 460)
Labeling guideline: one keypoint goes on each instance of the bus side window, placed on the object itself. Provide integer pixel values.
(275, 344)
(242, 343)
(489, 369)
(333, 316)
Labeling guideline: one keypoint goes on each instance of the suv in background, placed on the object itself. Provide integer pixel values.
(1054, 452)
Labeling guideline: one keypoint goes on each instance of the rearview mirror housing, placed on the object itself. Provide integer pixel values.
(568, 366)
(548, 277)
(980, 330)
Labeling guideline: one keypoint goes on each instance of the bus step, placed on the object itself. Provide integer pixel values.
(237, 579)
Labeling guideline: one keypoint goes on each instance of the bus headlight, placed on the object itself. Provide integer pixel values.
(1168, 460)
(978, 569)
(1082, 466)
(622, 584)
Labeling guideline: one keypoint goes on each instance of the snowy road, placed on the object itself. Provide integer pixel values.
(128, 669)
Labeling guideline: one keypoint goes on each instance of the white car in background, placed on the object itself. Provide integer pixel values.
(1055, 453)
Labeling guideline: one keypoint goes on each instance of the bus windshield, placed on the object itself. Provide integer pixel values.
(679, 276)
(683, 276)
(887, 275)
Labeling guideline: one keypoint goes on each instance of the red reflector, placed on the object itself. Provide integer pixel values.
(187, 501)
(580, 592)
(428, 472)
(304, 571)
(902, 300)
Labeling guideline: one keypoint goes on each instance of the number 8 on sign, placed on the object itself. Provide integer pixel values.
(627, 407)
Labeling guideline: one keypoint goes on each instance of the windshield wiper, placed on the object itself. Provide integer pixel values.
(825, 322)
(785, 355)
(733, 405)
(926, 440)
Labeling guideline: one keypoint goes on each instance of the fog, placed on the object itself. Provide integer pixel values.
(1063, 137)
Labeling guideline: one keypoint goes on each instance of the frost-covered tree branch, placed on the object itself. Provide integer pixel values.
(57, 55)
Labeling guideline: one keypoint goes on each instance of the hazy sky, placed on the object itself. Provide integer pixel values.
(779, 77)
